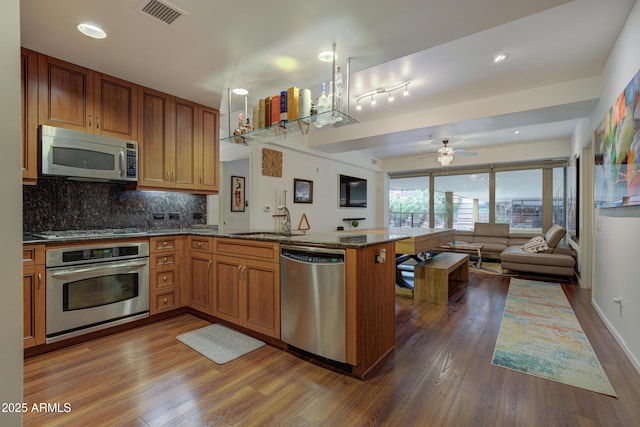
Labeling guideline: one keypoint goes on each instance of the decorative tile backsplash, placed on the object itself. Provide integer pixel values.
(60, 204)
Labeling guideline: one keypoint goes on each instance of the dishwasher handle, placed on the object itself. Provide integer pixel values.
(313, 257)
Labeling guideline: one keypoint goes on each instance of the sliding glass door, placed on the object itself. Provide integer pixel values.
(519, 199)
(409, 202)
(459, 201)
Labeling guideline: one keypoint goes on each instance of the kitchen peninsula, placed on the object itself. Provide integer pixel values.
(417, 241)
(201, 281)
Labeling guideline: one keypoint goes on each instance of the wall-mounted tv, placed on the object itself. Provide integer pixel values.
(353, 192)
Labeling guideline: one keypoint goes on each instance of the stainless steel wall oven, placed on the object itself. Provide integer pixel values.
(94, 287)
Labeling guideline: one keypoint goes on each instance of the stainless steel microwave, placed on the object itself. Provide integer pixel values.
(88, 157)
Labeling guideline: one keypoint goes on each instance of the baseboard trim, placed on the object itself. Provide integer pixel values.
(632, 358)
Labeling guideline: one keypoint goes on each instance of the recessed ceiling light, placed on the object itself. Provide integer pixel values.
(500, 58)
(327, 56)
(515, 132)
(240, 91)
(92, 31)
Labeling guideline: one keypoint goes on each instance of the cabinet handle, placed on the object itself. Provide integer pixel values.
(244, 273)
(239, 272)
(90, 121)
(165, 300)
(39, 280)
(164, 278)
(165, 243)
(199, 244)
(167, 179)
(209, 266)
(201, 179)
(97, 122)
(165, 260)
(173, 176)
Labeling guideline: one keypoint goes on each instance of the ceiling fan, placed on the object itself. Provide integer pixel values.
(446, 153)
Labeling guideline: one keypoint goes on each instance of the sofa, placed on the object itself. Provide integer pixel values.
(500, 243)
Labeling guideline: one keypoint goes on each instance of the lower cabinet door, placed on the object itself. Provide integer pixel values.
(226, 289)
(262, 282)
(34, 305)
(201, 292)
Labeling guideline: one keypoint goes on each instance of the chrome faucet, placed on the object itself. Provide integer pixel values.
(286, 225)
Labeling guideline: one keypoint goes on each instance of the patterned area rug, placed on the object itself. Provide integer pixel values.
(219, 343)
(540, 335)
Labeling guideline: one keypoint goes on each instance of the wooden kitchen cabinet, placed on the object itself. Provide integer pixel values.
(34, 293)
(179, 143)
(246, 284)
(29, 112)
(208, 150)
(201, 273)
(77, 98)
(165, 273)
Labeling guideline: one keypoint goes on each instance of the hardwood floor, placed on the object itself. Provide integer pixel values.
(440, 374)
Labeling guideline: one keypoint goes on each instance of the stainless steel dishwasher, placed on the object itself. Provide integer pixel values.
(313, 306)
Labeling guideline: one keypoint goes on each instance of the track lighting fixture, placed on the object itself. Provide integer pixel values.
(372, 93)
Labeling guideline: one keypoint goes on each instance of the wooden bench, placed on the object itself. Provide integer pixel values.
(441, 280)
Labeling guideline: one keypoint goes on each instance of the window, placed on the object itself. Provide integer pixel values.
(409, 202)
(529, 197)
(559, 196)
(461, 200)
(519, 199)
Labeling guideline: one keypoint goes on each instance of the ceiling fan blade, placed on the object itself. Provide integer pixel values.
(466, 154)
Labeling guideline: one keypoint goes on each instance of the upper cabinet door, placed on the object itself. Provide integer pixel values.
(185, 140)
(115, 107)
(209, 152)
(76, 98)
(65, 95)
(155, 143)
(29, 111)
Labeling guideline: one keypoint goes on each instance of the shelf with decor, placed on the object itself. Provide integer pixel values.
(304, 125)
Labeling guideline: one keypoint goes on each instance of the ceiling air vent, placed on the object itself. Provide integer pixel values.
(162, 11)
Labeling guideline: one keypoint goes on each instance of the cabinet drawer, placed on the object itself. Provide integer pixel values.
(32, 255)
(248, 248)
(164, 259)
(163, 278)
(166, 300)
(204, 244)
(163, 244)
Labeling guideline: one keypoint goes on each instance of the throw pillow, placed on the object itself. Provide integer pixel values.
(537, 244)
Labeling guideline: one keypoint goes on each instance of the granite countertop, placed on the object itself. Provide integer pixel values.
(328, 239)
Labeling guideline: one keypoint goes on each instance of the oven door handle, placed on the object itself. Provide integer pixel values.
(66, 274)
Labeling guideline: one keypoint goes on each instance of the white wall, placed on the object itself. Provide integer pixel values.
(11, 225)
(323, 214)
(582, 140)
(616, 266)
(235, 220)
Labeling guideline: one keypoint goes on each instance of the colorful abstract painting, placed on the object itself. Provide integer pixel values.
(617, 158)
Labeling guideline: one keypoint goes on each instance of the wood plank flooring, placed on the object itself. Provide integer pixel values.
(440, 374)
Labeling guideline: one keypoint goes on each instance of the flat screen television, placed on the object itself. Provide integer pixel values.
(353, 192)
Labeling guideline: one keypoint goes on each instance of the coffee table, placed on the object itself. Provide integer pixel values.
(464, 247)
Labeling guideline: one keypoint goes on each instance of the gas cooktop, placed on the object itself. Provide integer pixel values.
(72, 234)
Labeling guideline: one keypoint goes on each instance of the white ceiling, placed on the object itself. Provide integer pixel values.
(443, 47)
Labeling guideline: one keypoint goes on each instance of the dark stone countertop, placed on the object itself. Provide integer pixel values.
(326, 239)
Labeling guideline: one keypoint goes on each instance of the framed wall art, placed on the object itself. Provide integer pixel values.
(302, 191)
(237, 194)
(617, 146)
